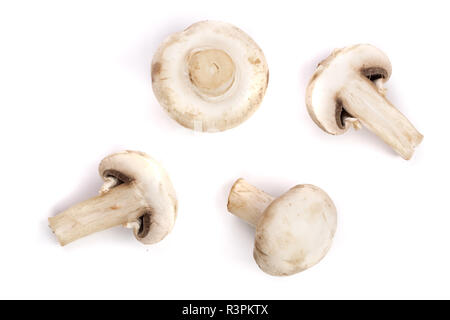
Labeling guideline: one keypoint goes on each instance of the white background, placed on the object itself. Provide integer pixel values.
(75, 86)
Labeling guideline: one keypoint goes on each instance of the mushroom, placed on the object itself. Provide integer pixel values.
(347, 89)
(137, 193)
(293, 232)
(209, 77)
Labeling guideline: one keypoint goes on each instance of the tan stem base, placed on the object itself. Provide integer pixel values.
(248, 202)
(362, 100)
(118, 206)
(211, 71)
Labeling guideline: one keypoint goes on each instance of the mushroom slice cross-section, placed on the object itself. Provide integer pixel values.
(347, 89)
(210, 77)
(293, 232)
(137, 193)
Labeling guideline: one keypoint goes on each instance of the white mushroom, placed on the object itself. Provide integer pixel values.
(293, 232)
(347, 89)
(137, 193)
(209, 77)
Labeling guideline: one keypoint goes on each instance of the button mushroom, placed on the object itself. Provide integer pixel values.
(293, 232)
(137, 193)
(210, 77)
(347, 89)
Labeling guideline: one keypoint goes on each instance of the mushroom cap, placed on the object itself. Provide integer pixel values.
(322, 94)
(175, 91)
(151, 181)
(295, 231)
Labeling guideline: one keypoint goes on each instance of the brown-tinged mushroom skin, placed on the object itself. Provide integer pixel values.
(293, 231)
(209, 77)
(137, 193)
(347, 89)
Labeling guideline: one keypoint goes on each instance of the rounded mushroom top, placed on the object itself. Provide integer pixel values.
(343, 66)
(210, 77)
(152, 183)
(295, 231)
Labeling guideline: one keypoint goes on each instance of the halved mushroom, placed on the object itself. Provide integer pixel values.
(293, 232)
(347, 89)
(137, 194)
(210, 77)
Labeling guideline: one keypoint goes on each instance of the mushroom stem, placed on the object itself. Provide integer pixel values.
(247, 202)
(364, 102)
(120, 205)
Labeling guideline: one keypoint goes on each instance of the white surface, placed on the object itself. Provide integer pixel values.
(75, 86)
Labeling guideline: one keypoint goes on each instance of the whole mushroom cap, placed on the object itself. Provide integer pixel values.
(152, 182)
(295, 231)
(210, 77)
